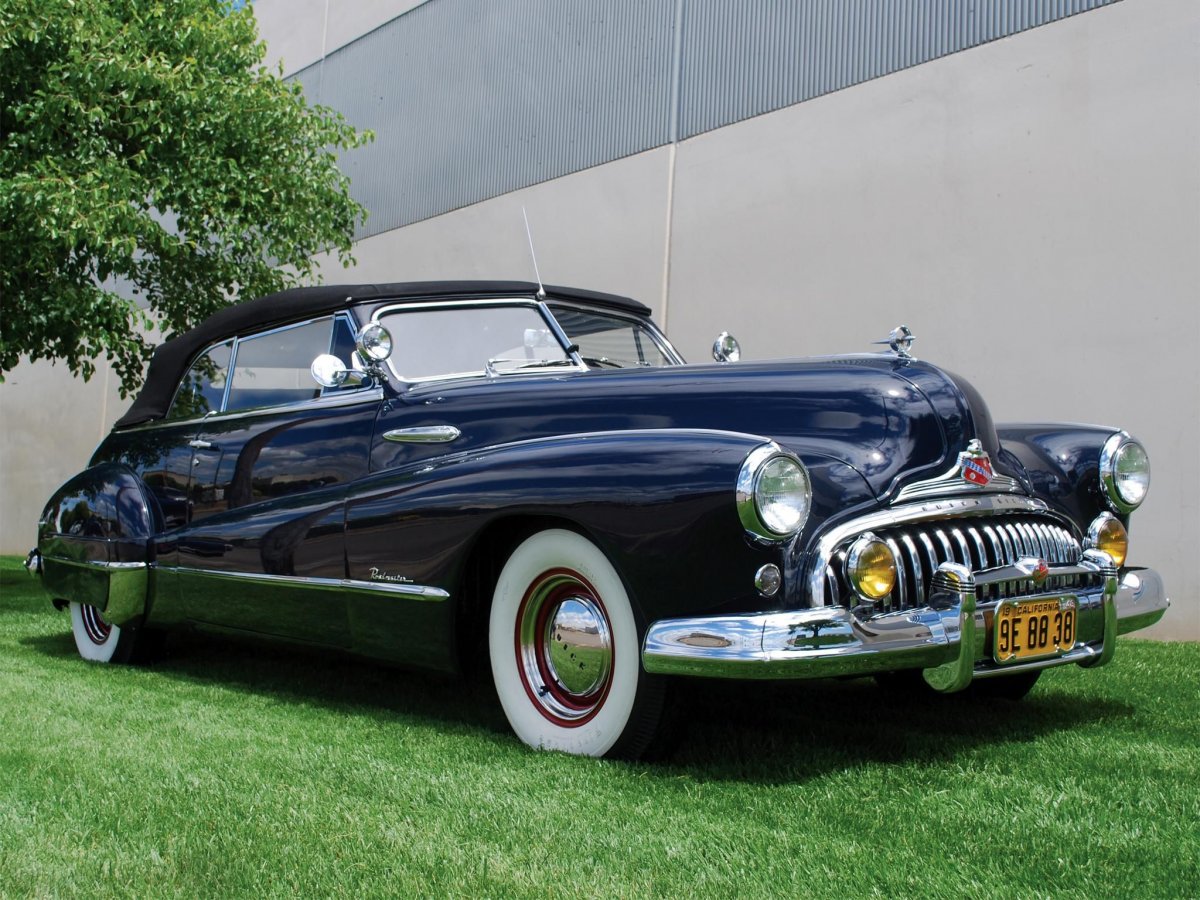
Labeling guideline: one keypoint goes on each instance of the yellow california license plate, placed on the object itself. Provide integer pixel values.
(1031, 629)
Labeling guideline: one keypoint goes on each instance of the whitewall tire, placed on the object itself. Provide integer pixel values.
(565, 650)
(96, 640)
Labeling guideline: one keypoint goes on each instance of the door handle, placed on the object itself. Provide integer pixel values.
(429, 434)
(202, 445)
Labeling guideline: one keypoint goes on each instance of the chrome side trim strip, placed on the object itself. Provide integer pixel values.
(94, 563)
(350, 398)
(900, 515)
(431, 434)
(415, 591)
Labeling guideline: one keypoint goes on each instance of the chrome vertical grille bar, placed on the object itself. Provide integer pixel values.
(943, 543)
(917, 570)
(994, 542)
(1018, 545)
(962, 548)
(977, 539)
(902, 576)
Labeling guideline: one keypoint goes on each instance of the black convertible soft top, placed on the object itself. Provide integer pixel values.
(172, 357)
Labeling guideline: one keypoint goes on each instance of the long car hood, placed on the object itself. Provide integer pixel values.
(891, 421)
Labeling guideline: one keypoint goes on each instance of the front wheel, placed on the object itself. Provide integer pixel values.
(564, 646)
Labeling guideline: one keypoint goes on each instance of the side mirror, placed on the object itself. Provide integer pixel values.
(726, 349)
(329, 372)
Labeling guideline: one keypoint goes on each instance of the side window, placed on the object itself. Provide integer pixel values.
(273, 368)
(203, 386)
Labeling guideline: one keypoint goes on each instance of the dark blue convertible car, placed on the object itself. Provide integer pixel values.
(491, 474)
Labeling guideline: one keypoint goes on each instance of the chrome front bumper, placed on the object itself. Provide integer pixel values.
(948, 639)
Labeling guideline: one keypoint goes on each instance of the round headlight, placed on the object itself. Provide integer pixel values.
(1124, 472)
(375, 342)
(774, 494)
(1108, 534)
(871, 567)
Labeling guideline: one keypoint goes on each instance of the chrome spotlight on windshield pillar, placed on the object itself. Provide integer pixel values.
(726, 349)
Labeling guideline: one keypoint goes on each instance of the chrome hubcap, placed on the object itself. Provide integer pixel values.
(579, 647)
(564, 648)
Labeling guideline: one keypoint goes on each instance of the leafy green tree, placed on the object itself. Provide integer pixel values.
(145, 148)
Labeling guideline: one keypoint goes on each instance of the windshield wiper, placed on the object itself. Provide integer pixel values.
(604, 362)
(523, 364)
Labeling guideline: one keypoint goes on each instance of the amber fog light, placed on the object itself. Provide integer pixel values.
(871, 567)
(1108, 534)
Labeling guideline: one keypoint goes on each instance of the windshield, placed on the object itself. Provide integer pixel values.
(450, 342)
(609, 341)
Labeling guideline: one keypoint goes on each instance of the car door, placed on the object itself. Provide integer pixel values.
(264, 548)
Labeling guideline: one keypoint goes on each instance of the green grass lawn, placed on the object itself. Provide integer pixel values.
(234, 770)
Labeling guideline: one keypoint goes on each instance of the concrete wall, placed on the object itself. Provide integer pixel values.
(50, 422)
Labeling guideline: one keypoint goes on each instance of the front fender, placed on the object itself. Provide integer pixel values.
(1063, 465)
(660, 503)
(94, 542)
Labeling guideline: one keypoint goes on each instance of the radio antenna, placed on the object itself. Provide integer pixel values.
(541, 288)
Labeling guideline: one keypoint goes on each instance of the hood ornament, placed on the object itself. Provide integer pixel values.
(900, 339)
(974, 464)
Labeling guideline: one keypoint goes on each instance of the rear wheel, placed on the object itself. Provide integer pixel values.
(564, 646)
(98, 641)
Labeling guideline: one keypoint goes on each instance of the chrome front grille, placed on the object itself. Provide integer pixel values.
(977, 542)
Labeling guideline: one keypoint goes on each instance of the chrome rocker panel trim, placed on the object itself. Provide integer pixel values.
(305, 582)
(947, 638)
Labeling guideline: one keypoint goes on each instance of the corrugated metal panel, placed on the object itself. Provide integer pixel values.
(742, 59)
(471, 99)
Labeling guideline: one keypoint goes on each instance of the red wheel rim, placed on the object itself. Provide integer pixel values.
(97, 629)
(564, 648)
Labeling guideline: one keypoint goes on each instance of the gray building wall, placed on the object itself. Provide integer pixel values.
(1030, 206)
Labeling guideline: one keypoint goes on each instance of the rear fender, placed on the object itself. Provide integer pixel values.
(94, 542)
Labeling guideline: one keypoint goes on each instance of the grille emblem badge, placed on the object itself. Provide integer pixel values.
(974, 464)
(1037, 569)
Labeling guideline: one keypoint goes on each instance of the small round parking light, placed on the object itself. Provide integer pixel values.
(871, 567)
(768, 579)
(1108, 534)
(375, 342)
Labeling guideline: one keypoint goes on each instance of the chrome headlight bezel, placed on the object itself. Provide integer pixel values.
(749, 495)
(1111, 456)
(854, 561)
